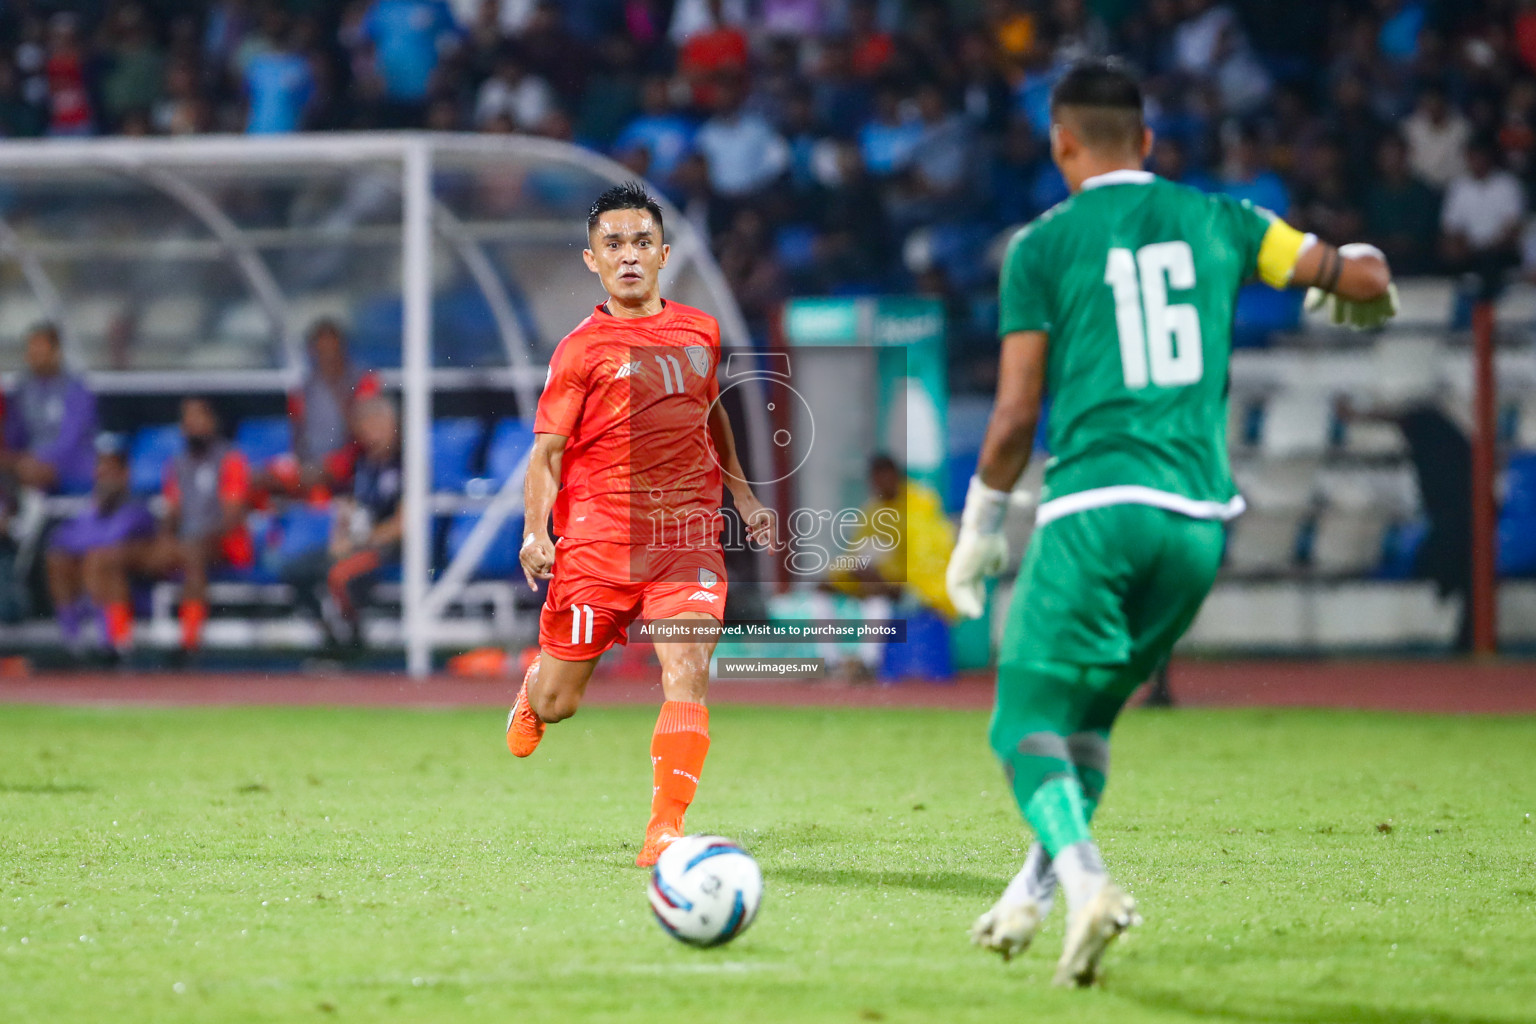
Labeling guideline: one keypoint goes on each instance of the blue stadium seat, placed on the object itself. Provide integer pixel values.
(1517, 519)
(925, 655)
(1400, 549)
(264, 438)
(149, 452)
(298, 531)
(501, 557)
(455, 443)
(510, 439)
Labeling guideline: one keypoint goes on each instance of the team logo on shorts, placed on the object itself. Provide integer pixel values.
(698, 358)
(707, 578)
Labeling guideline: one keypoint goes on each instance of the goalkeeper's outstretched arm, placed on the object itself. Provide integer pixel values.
(1352, 282)
(980, 549)
(1355, 273)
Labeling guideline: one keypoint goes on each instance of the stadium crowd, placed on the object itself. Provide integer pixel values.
(834, 146)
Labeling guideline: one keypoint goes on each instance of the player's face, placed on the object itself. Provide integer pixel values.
(43, 356)
(627, 254)
(197, 420)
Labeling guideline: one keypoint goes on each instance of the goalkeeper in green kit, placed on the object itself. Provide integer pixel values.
(1117, 304)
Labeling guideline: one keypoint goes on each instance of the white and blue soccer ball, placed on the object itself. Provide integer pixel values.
(705, 890)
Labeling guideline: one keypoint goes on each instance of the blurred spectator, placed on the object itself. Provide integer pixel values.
(366, 534)
(512, 92)
(855, 245)
(1525, 34)
(1402, 214)
(1401, 23)
(321, 412)
(941, 182)
(890, 138)
(872, 49)
(842, 100)
(806, 138)
(91, 557)
(1437, 138)
(554, 53)
(691, 190)
(136, 65)
(985, 95)
(745, 153)
(50, 421)
(1355, 130)
(404, 40)
(279, 85)
(1169, 161)
(1481, 218)
(1013, 170)
(692, 17)
(1014, 31)
(19, 118)
(184, 108)
(712, 55)
(908, 572)
(913, 567)
(800, 19)
(1210, 43)
(207, 494)
(71, 111)
(664, 133)
(1244, 174)
(1077, 32)
(750, 268)
(1324, 204)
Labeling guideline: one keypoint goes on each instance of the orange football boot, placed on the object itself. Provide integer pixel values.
(659, 836)
(524, 729)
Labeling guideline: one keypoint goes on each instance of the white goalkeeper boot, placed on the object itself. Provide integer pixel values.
(1090, 930)
(1008, 928)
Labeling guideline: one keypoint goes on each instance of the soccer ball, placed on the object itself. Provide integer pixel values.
(705, 890)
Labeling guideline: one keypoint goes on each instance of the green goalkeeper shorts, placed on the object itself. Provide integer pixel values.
(1111, 587)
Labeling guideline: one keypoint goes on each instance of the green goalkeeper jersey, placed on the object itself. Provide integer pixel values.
(1134, 279)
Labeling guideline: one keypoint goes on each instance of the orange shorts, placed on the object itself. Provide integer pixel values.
(600, 587)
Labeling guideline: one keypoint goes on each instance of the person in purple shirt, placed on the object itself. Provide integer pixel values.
(91, 555)
(50, 421)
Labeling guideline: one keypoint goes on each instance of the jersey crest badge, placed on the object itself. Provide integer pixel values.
(698, 358)
(707, 578)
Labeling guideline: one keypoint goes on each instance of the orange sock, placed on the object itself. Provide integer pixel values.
(193, 615)
(678, 748)
(118, 617)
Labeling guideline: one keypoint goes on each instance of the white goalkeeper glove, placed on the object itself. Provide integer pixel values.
(981, 550)
(1359, 316)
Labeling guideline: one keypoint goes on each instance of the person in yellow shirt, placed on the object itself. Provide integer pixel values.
(896, 557)
(912, 567)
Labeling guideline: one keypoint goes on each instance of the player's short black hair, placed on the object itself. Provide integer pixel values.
(880, 462)
(629, 196)
(1104, 97)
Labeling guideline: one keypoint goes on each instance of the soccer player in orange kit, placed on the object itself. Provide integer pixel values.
(629, 448)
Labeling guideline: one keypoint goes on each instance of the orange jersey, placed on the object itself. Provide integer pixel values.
(633, 396)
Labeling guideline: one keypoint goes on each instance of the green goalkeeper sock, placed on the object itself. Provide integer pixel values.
(1058, 813)
(1056, 769)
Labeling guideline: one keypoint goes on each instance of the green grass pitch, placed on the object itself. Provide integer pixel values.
(293, 865)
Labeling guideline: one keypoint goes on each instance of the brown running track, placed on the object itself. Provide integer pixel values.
(1504, 687)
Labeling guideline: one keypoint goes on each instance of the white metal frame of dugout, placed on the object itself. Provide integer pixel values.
(162, 165)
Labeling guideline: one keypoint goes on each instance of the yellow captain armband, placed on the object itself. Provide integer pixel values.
(1282, 246)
